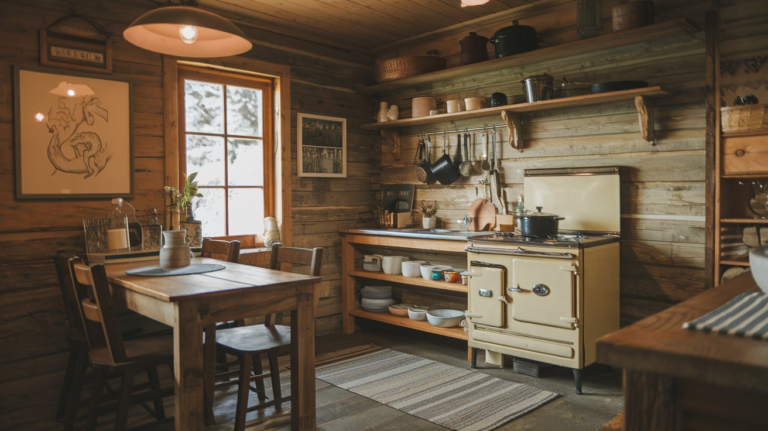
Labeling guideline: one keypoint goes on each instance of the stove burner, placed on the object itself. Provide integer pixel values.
(577, 237)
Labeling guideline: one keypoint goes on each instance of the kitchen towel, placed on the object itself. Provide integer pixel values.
(456, 398)
(745, 316)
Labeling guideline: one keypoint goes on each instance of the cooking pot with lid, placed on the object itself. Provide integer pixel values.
(474, 48)
(515, 39)
(538, 224)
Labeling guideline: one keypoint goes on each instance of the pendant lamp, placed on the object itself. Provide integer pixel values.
(465, 3)
(187, 31)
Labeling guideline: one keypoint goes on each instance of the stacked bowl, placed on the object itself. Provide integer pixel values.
(376, 299)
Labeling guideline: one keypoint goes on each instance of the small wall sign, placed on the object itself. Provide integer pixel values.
(76, 42)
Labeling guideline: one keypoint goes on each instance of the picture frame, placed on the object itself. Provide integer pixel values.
(73, 135)
(322, 146)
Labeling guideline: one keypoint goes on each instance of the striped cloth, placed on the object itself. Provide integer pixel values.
(456, 398)
(745, 316)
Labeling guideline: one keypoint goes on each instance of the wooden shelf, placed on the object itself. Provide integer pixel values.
(567, 102)
(621, 40)
(413, 324)
(643, 98)
(744, 220)
(413, 281)
(742, 260)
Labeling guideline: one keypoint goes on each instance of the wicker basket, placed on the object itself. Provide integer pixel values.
(744, 118)
(403, 67)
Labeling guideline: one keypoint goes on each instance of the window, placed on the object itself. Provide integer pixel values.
(225, 135)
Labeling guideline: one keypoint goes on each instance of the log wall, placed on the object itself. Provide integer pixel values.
(323, 81)
(662, 185)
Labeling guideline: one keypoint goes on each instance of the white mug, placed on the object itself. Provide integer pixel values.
(474, 103)
(392, 264)
(453, 105)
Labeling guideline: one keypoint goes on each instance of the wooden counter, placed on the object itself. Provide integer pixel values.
(678, 379)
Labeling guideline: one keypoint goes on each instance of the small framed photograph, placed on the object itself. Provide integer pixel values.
(322, 146)
(73, 135)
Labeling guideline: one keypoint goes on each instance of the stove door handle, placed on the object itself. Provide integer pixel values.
(571, 268)
(503, 299)
(469, 315)
(516, 289)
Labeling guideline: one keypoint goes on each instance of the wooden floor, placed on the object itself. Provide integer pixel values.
(341, 410)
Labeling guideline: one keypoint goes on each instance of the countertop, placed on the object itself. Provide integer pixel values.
(443, 234)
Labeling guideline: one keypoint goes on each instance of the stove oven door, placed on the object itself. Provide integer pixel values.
(543, 291)
(487, 300)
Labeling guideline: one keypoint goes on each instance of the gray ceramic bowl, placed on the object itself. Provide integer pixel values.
(445, 318)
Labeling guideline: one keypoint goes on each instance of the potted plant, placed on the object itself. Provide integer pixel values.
(182, 200)
(427, 213)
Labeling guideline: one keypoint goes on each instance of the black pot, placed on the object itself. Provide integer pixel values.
(515, 39)
(538, 224)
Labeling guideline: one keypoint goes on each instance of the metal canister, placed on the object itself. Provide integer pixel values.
(538, 87)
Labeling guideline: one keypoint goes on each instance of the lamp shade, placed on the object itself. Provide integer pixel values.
(465, 3)
(158, 31)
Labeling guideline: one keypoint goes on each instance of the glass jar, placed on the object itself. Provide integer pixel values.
(589, 18)
(118, 215)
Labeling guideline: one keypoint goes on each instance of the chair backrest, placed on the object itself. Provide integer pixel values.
(97, 309)
(67, 287)
(222, 250)
(312, 257)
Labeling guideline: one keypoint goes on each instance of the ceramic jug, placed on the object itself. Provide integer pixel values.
(175, 252)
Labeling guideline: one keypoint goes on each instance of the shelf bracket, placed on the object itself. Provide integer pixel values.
(644, 107)
(514, 124)
(392, 137)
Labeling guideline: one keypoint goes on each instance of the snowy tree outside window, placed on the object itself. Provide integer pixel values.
(223, 133)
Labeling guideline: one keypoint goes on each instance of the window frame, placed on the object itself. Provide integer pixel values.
(281, 74)
(266, 85)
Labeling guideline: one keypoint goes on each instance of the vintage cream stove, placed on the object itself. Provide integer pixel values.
(549, 299)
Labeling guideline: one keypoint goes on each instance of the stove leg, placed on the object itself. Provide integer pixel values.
(473, 364)
(577, 380)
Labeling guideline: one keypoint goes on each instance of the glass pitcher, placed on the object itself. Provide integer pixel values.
(758, 202)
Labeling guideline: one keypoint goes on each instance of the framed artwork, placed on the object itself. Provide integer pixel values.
(73, 135)
(322, 146)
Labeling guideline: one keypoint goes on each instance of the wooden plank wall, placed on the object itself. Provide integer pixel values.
(663, 194)
(323, 81)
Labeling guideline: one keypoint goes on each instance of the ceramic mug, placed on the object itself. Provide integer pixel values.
(453, 106)
(474, 103)
(392, 264)
(412, 268)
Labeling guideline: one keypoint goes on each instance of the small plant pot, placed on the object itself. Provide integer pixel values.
(429, 222)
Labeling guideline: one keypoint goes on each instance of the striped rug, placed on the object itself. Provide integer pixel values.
(745, 316)
(458, 399)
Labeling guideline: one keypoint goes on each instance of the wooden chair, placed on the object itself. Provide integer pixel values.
(109, 352)
(75, 375)
(272, 338)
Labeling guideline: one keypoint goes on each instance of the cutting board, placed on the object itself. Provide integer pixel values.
(483, 213)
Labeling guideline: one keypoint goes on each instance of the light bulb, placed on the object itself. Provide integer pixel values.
(188, 33)
(70, 92)
(39, 117)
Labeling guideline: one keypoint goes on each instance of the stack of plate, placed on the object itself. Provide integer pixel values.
(376, 299)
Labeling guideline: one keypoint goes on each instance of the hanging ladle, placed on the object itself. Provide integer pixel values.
(485, 165)
(465, 168)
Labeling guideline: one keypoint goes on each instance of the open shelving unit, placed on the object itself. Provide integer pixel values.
(352, 275)
(620, 40)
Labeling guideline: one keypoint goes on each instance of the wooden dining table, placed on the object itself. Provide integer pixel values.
(677, 379)
(188, 302)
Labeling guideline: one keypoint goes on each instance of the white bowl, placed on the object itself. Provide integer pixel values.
(445, 318)
(758, 265)
(411, 268)
(377, 303)
(417, 313)
(426, 270)
(376, 292)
